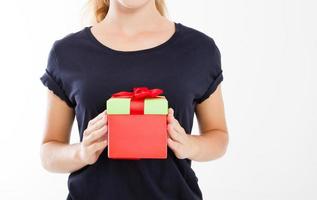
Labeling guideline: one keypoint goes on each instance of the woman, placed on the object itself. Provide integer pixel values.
(132, 44)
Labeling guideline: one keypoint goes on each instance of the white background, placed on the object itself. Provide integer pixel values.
(269, 62)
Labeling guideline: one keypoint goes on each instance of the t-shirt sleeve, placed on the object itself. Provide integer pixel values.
(214, 72)
(52, 76)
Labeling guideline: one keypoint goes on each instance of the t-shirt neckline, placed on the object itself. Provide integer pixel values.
(166, 43)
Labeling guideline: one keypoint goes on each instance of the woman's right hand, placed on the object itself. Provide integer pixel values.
(95, 139)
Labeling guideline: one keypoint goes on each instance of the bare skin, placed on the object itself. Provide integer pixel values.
(129, 27)
(212, 141)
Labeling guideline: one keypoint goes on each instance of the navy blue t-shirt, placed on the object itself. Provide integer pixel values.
(85, 73)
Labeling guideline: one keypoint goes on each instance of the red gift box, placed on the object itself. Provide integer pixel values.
(137, 124)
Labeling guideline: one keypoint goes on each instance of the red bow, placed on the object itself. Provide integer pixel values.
(137, 98)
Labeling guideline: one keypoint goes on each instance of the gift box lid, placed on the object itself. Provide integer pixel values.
(121, 105)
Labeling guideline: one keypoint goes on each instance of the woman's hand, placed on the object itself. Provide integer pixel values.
(179, 141)
(94, 139)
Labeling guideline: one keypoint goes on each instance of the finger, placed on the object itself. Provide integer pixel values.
(98, 117)
(171, 111)
(170, 116)
(97, 125)
(102, 138)
(95, 135)
(175, 146)
(173, 133)
(97, 146)
(178, 128)
(172, 120)
(92, 121)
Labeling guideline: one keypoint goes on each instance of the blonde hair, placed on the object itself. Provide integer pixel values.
(98, 9)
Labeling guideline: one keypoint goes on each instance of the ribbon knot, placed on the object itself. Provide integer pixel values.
(139, 93)
(137, 98)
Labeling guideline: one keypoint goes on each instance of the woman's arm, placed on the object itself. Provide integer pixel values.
(213, 139)
(57, 155)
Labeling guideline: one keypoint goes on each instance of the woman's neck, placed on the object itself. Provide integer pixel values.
(133, 20)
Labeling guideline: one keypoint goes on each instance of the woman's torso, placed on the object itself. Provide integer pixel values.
(90, 73)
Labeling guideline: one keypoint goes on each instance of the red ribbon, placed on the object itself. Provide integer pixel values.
(137, 98)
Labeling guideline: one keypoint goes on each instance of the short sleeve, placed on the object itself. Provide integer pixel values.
(214, 71)
(52, 79)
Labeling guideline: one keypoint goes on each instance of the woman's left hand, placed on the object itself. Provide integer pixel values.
(182, 144)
